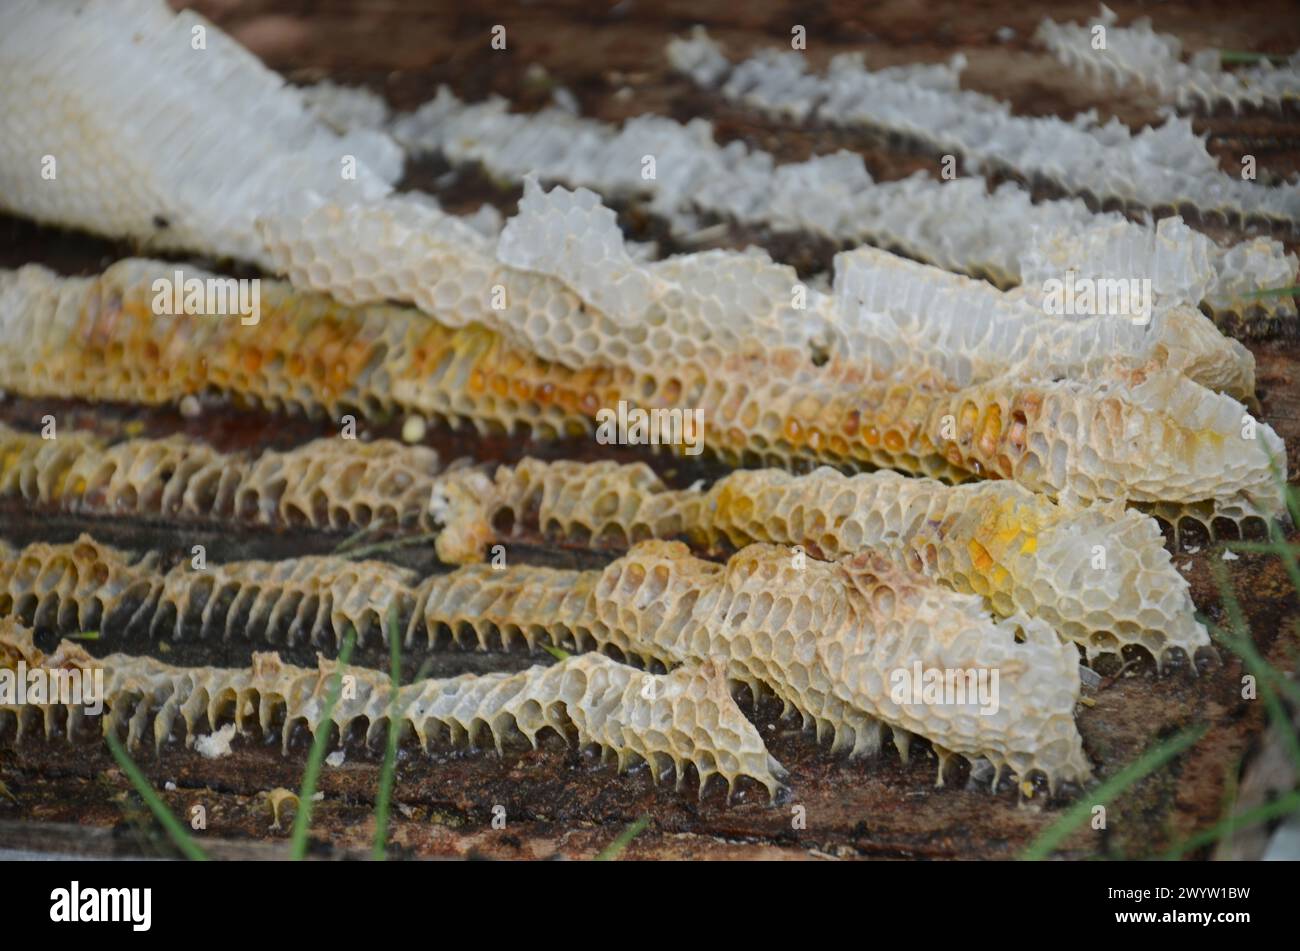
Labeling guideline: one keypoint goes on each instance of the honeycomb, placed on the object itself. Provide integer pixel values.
(711, 302)
(823, 638)
(573, 236)
(98, 339)
(829, 638)
(601, 504)
(1099, 575)
(341, 484)
(970, 332)
(326, 483)
(86, 585)
(313, 598)
(152, 161)
(1141, 436)
(1158, 168)
(804, 639)
(80, 586)
(959, 225)
(668, 720)
(1137, 56)
(344, 108)
(1040, 446)
(718, 303)
(1152, 438)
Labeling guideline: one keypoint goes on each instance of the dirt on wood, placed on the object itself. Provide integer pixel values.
(558, 801)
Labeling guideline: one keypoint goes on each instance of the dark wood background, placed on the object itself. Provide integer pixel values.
(560, 802)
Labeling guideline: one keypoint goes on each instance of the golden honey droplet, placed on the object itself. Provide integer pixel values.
(992, 431)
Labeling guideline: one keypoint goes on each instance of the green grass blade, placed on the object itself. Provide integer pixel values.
(615, 848)
(1275, 292)
(1254, 661)
(1240, 642)
(559, 653)
(1241, 56)
(388, 773)
(1078, 814)
(302, 820)
(1281, 807)
(173, 826)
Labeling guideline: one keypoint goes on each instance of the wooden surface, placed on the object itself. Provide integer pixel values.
(558, 801)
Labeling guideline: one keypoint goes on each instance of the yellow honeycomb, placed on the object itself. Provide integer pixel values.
(1099, 574)
(1140, 436)
(80, 586)
(325, 483)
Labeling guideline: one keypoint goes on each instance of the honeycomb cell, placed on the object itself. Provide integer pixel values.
(691, 720)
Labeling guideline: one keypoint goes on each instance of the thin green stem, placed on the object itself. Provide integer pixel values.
(302, 820)
(173, 826)
(1079, 813)
(615, 848)
(1240, 641)
(388, 773)
(1242, 56)
(1273, 810)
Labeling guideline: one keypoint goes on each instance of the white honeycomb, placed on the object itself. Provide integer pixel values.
(1156, 169)
(1136, 56)
(827, 638)
(345, 108)
(959, 225)
(970, 332)
(666, 720)
(830, 638)
(1153, 437)
(167, 162)
(570, 235)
